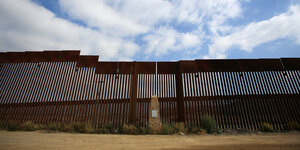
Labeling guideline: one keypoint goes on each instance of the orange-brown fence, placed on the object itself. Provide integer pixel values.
(62, 86)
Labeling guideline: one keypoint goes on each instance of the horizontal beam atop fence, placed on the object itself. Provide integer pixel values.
(291, 63)
(242, 65)
(213, 65)
(88, 61)
(40, 56)
(125, 67)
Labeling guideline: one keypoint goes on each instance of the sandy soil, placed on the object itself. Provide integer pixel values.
(71, 141)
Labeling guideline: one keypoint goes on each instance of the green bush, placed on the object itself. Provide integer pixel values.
(12, 126)
(293, 125)
(132, 129)
(142, 130)
(129, 129)
(169, 128)
(120, 129)
(192, 128)
(208, 123)
(2, 126)
(266, 127)
(108, 129)
(54, 126)
(202, 131)
(66, 127)
(179, 126)
(83, 127)
(29, 126)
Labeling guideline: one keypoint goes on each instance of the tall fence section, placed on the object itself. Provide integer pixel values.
(62, 86)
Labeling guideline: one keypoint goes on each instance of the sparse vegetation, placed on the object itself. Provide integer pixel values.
(208, 123)
(129, 129)
(12, 126)
(65, 127)
(293, 125)
(53, 126)
(83, 127)
(29, 126)
(142, 130)
(192, 128)
(180, 127)
(108, 129)
(266, 127)
(171, 128)
(168, 128)
(2, 125)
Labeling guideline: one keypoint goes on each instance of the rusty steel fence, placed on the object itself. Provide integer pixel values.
(62, 86)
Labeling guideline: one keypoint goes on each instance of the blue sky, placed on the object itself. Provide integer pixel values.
(154, 30)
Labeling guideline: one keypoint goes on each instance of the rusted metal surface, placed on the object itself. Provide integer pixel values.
(62, 86)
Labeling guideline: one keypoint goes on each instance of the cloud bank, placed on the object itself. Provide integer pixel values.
(285, 25)
(123, 30)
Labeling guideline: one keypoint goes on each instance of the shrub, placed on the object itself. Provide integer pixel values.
(192, 128)
(12, 126)
(293, 125)
(179, 126)
(53, 126)
(129, 129)
(208, 123)
(132, 129)
(202, 131)
(108, 128)
(65, 127)
(2, 126)
(168, 128)
(40, 127)
(266, 127)
(28, 126)
(83, 127)
(142, 130)
(120, 129)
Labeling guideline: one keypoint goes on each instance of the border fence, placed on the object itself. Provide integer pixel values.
(63, 86)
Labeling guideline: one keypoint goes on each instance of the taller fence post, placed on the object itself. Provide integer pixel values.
(179, 93)
(133, 95)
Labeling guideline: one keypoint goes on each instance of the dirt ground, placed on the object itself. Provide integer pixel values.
(70, 141)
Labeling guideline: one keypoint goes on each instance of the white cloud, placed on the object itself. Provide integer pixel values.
(215, 13)
(153, 18)
(27, 26)
(97, 14)
(165, 40)
(285, 25)
(112, 26)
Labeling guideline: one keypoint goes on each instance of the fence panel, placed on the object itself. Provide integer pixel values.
(62, 86)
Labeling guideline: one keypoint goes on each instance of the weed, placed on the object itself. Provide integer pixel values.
(142, 130)
(28, 126)
(108, 129)
(179, 126)
(266, 127)
(12, 126)
(2, 126)
(129, 129)
(293, 125)
(66, 127)
(83, 127)
(53, 126)
(169, 128)
(208, 123)
(193, 128)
